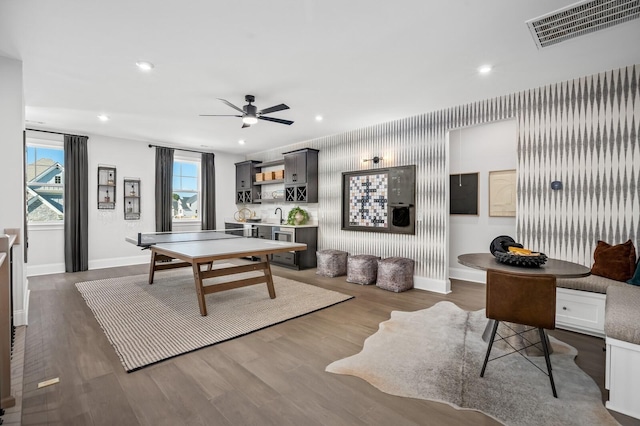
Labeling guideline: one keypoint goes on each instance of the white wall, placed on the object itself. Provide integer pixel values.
(481, 149)
(11, 172)
(107, 228)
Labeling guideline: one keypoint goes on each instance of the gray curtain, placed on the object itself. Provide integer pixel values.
(76, 203)
(164, 185)
(208, 192)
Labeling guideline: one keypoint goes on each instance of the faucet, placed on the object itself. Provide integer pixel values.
(278, 208)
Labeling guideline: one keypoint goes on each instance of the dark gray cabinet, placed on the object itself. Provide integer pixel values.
(299, 259)
(263, 232)
(234, 229)
(245, 182)
(295, 167)
(301, 176)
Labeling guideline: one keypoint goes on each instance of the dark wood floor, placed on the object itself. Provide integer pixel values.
(272, 377)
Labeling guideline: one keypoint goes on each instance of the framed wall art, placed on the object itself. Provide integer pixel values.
(463, 194)
(502, 193)
(379, 200)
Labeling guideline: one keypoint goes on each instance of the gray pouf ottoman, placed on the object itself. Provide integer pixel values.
(362, 269)
(395, 274)
(331, 263)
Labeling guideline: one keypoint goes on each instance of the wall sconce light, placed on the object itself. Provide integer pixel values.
(375, 159)
(556, 185)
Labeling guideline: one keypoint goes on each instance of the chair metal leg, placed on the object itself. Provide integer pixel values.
(545, 346)
(493, 336)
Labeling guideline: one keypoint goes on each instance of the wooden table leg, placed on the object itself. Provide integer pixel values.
(152, 266)
(199, 290)
(267, 274)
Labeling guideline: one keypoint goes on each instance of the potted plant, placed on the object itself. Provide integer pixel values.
(297, 216)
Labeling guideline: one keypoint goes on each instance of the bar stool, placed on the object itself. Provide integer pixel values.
(526, 299)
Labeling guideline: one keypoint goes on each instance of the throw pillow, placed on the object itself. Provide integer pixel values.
(616, 262)
(635, 280)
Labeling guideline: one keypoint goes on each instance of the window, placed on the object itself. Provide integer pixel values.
(44, 170)
(186, 189)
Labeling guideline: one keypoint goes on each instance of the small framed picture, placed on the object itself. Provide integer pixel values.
(502, 193)
(463, 194)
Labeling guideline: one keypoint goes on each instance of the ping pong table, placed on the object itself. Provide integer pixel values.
(171, 250)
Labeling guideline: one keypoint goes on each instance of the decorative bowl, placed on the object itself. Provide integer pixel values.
(533, 260)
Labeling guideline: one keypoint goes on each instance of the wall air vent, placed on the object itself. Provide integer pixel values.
(581, 18)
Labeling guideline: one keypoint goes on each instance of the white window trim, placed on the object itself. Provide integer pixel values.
(185, 158)
(47, 141)
(45, 226)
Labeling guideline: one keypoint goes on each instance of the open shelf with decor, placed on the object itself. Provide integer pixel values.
(131, 198)
(270, 173)
(106, 187)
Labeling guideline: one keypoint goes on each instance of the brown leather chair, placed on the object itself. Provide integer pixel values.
(521, 298)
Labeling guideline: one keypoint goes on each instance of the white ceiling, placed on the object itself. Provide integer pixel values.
(355, 62)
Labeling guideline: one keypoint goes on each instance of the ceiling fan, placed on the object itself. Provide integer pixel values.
(250, 114)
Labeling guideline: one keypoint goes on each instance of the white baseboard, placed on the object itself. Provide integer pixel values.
(430, 284)
(21, 317)
(468, 274)
(120, 261)
(58, 268)
(51, 268)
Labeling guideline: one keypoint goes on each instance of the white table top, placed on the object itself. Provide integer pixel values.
(226, 248)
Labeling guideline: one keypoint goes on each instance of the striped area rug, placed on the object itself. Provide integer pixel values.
(150, 323)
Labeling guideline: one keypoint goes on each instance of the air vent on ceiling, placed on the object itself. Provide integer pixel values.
(581, 18)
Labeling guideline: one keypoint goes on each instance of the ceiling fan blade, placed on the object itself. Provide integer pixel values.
(276, 120)
(273, 109)
(245, 125)
(231, 105)
(218, 115)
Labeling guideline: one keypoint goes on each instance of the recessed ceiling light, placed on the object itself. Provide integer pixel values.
(103, 117)
(485, 69)
(144, 66)
(318, 118)
(241, 141)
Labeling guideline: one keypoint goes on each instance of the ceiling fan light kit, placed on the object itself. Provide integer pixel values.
(250, 114)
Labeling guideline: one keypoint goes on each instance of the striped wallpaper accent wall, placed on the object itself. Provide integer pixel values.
(583, 132)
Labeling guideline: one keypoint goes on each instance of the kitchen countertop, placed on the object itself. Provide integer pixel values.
(307, 225)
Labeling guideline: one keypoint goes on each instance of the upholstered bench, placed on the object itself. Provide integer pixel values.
(622, 373)
(331, 263)
(395, 274)
(592, 283)
(362, 269)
